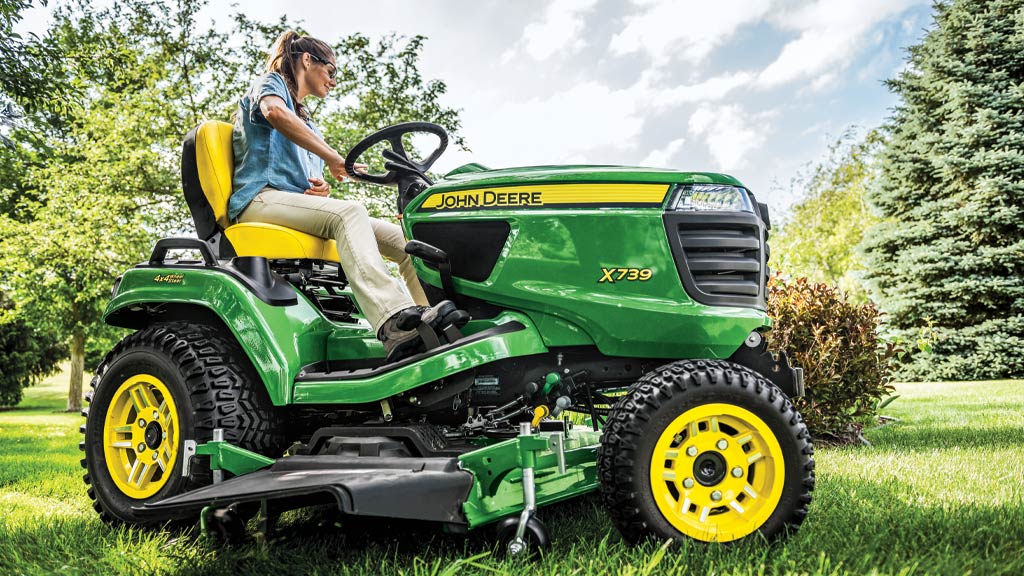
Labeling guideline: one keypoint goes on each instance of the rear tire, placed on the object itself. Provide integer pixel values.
(157, 388)
(706, 450)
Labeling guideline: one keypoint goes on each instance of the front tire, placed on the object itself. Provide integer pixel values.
(157, 388)
(705, 450)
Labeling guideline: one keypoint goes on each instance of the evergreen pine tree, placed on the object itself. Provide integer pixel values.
(947, 262)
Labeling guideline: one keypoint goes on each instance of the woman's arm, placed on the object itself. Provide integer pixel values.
(286, 122)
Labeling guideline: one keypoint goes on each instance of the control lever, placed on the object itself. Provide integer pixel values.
(431, 254)
(437, 257)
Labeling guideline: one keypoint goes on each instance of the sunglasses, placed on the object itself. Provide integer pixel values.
(332, 70)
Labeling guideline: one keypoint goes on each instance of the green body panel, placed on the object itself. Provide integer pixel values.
(279, 340)
(497, 347)
(460, 180)
(552, 266)
(497, 469)
(353, 342)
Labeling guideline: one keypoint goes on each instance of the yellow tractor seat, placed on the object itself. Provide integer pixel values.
(206, 170)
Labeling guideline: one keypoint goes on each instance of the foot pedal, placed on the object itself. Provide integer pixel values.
(451, 324)
(428, 335)
(444, 320)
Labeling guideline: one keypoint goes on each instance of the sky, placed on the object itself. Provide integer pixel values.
(754, 88)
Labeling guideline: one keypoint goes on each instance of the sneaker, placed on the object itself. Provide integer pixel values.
(402, 342)
(433, 315)
(398, 343)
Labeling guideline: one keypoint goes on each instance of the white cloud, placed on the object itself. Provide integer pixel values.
(669, 29)
(572, 125)
(662, 157)
(831, 32)
(569, 126)
(711, 89)
(560, 31)
(729, 132)
(823, 81)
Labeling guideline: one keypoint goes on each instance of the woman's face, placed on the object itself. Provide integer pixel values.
(319, 76)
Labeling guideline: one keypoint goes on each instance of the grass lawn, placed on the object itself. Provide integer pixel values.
(940, 491)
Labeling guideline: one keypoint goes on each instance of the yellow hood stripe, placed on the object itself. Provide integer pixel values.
(550, 195)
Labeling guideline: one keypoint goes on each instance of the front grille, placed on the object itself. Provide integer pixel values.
(720, 256)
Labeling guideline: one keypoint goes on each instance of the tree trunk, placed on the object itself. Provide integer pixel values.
(77, 371)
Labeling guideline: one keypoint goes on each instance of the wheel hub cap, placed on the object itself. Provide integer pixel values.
(709, 468)
(154, 435)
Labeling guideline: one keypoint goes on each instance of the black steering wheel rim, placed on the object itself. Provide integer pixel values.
(393, 135)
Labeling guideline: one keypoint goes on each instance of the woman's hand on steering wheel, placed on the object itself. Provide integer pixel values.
(397, 159)
(337, 168)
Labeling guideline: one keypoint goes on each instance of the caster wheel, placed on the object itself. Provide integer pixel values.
(227, 526)
(536, 541)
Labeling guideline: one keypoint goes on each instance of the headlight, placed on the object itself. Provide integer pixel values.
(711, 197)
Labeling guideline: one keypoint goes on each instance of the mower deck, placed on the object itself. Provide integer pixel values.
(462, 486)
(398, 487)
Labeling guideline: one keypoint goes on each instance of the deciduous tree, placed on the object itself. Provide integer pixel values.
(820, 239)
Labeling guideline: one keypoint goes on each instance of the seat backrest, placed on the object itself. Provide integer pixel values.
(207, 164)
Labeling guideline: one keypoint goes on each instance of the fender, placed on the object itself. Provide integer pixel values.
(279, 339)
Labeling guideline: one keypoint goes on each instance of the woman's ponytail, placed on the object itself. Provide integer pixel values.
(282, 60)
(285, 55)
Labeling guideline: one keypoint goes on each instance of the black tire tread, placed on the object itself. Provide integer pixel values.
(214, 367)
(617, 453)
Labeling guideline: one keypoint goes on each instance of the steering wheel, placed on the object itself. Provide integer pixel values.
(398, 161)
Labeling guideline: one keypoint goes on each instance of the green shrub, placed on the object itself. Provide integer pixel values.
(847, 367)
(26, 354)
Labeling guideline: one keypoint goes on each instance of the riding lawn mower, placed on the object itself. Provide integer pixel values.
(607, 333)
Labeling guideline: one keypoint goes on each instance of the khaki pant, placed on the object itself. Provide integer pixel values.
(361, 241)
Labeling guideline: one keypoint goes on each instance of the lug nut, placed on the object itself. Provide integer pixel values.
(154, 455)
(737, 472)
(142, 423)
(142, 447)
(156, 415)
(722, 444)
(716, 495)
(691, 451)
(688, 483)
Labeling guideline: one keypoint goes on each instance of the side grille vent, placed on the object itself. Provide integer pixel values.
(721, 258)
(723, 261)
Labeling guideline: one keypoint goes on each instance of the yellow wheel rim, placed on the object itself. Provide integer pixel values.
(140, 436)
(717, 472)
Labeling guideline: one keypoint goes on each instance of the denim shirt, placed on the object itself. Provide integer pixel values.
(263, 156)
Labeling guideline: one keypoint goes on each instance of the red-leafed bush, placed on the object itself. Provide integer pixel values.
(847, 367)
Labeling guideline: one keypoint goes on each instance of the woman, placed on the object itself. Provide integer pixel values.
(279, 162)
